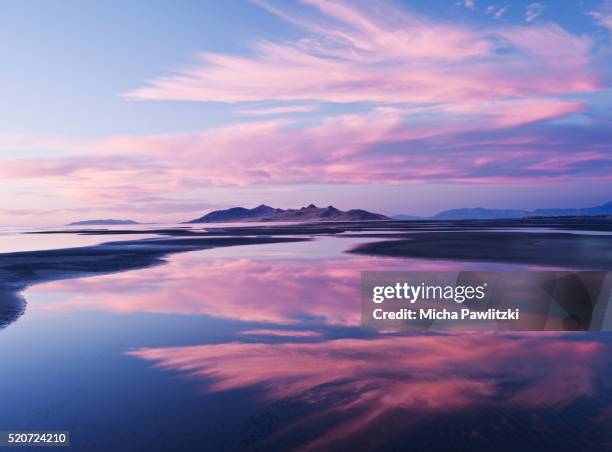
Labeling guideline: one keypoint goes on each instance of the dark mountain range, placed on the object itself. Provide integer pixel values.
(102, 222)
(480, 213)
(267, 213)
(604, 209)
(406, 217)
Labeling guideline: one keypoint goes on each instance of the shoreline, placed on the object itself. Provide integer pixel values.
(19, 270)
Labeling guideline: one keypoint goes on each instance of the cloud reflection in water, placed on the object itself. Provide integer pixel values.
(278, 291)
(357, 384)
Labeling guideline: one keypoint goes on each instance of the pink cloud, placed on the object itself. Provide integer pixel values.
(509, 113)
(354, 53)
(603, 17)
(278, 110)
(339, 150)
(471, 142)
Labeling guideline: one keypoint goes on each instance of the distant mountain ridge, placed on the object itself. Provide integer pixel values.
(480, 213)
(102, 222)
(267, 213)
(264, 213)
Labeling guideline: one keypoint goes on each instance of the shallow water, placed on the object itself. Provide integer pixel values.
(259, 347)
(21, 239)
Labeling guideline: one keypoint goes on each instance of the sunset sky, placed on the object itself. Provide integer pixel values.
(162, 110)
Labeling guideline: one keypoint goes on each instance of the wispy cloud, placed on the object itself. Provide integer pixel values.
(603, 17)
(470, 4)
(533, 10)
(479, 142)
(278, 110)
(497, 12)
(386, 55)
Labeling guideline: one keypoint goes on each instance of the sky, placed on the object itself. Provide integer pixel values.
(162, 110)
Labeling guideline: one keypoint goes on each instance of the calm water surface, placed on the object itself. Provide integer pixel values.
(259, 347)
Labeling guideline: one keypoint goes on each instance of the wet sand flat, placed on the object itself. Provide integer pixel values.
(592, 252)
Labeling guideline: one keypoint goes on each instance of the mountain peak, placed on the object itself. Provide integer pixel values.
(267, 213)
(262, 208)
